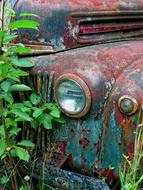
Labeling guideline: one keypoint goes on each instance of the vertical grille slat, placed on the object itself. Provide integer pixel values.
(42, 84)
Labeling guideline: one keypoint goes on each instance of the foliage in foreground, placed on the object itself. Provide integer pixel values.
(131, 175)
(13, 114)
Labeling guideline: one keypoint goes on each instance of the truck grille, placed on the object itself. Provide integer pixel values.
(41, 83)
(109, 26)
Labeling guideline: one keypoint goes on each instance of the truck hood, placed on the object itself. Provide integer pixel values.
(60, 19)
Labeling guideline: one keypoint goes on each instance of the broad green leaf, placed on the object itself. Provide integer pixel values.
(5, 85)
(26, 143)
(59, 120)
(10, 122)
(7, 97)
(4, 68)
(13, 78)
(46, 121)
(50, 106)
(28, 14)
(19, 87)
(22, 154)
(2, 131)
(23, 24)
(37, 112)
(21, 116)
(3, 156)
(19, 73)
(22, 63)
(26, 109)
(4, 111)
(2, 146)
(16, 106)
(34, 124)
(14, 131)
(2, 34)
(23, 188)
(13, 153)
(8, 38)
(23, 50)
(55, 113)
(35, 99)
(4, 58)
(4, 180)
(28, 104)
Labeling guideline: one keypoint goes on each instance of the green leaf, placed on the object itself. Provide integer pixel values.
(28, 14)
(35, 99)
(4, 112)
(37, 112)
(26, 143)
(13, 153)
(7, 97)
(34, 124)
(26, 109)
(22, 63)
(23, 24)
(10, 122)
(13, 78)
(46, 121)
(5, 85)
(55, 113)
(16, 106)
(23, 188)
(2, 34)
(59, 120)
(22, 154)
(19, 87)
(21, 116)
(50, 106)
(8, 38)
(2, 146)
(14, 131)
(19, 73)
(4, 70)
(2, 131)
(4, 180)
(23, 50)
(28, 104)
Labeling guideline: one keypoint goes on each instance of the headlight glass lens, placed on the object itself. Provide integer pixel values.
(70, 96)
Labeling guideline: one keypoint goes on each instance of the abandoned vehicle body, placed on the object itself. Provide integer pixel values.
(88, 57)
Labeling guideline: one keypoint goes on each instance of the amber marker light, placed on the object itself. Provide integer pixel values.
(72, 95)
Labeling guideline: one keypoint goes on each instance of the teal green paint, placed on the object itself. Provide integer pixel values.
(112, 150)
(74, 147)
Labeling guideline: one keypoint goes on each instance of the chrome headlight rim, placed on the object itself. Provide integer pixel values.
(75, 78)
(133, 101)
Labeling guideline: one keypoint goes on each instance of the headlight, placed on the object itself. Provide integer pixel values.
(72, 95)
(128, 105)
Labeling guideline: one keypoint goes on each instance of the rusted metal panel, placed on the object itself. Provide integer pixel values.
(93, 143)
(97, 141)
(75, 23)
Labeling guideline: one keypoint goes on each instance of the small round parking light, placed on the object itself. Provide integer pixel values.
(72, 95)
(128, 105)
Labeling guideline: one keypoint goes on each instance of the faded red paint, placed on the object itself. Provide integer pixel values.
(84, 142)
(92, 4)
(110, 70)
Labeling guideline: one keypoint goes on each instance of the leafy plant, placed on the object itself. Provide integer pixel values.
(12, 113)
